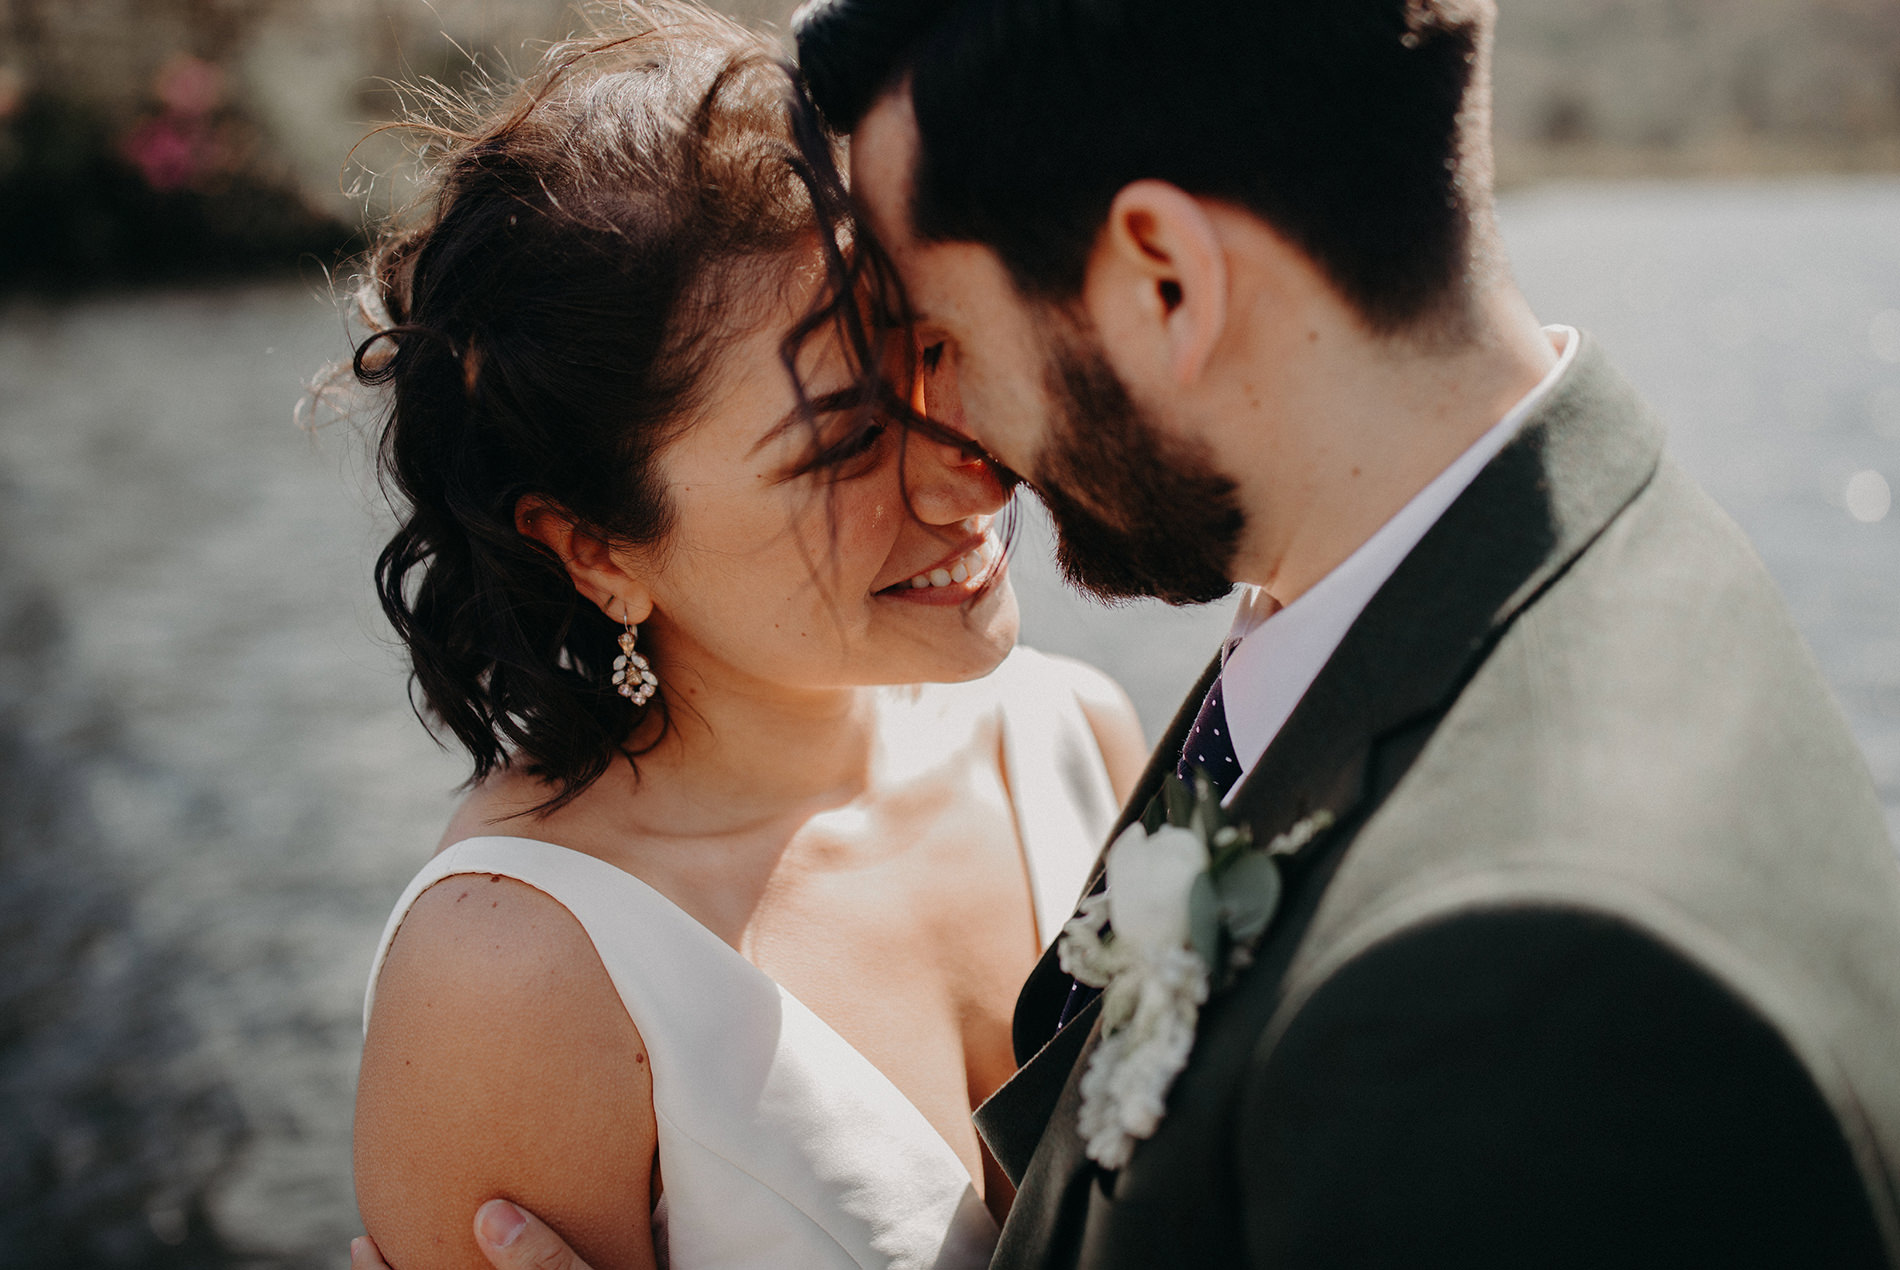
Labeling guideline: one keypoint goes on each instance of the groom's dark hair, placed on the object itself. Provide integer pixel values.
(1349, 126)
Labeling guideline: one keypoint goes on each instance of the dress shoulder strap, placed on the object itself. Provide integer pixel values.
(647, 945)
(1065, 804)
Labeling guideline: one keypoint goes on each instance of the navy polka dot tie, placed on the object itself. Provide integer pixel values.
(1209, 747)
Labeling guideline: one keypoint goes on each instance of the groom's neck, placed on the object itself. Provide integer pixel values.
(1355, 425)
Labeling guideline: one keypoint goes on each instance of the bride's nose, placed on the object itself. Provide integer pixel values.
(946, 485)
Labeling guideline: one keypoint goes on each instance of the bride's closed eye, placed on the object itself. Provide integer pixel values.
(847, 455)
(865, 441)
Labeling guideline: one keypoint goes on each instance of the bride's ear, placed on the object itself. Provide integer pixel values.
(601, 573)
(1157, 285)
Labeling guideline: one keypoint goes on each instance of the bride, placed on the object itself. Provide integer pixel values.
(768, 823)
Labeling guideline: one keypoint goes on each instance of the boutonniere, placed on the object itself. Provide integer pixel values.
(1189, 897)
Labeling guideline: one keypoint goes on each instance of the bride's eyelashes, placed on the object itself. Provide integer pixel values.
(851, 455)
(867, 439)
(932, 356)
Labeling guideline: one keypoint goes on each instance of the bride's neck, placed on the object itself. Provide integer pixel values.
(740, 751)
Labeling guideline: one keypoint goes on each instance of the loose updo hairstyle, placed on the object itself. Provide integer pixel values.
(544, 321)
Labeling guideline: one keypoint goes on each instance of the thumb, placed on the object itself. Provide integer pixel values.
(514, 1239)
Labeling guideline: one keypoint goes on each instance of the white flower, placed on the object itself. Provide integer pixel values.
(1149, 877)
(1125, 1089)
(1154, 985)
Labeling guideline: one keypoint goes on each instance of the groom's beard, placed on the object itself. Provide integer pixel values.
(1138, 513)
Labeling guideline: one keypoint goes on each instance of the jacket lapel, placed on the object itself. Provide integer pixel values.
(1576, 463)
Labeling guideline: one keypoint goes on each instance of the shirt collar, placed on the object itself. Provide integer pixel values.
(1272, 655)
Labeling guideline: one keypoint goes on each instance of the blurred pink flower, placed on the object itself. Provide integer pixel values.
(167, 154)
(177, 148)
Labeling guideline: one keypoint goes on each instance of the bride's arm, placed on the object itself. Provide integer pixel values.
(500, 1062)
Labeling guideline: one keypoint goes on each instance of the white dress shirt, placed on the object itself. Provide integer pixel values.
(1274, 654)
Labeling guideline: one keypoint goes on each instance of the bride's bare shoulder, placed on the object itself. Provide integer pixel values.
(499, 1060)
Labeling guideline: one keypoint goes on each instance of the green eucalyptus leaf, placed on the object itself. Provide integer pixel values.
(1204, 921)
(1230, 844)
(1180, 801)
(1249, 893)
(1155, 814)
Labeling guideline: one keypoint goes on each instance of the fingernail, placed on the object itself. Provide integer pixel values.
(356, 1249)
(499, 1222)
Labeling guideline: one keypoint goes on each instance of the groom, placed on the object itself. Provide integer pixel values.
(1598, 963)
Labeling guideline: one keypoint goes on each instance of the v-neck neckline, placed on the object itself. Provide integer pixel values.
(1039, 868)
(1036, 865)
(1061, 805)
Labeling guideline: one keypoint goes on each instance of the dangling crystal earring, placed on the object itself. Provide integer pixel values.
(633, 674)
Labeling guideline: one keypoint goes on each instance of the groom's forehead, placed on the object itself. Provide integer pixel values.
(883, 162)
(954, 282)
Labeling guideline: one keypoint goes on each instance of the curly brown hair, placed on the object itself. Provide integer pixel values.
(544, 321)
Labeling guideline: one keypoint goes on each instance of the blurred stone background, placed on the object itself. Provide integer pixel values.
(211, 787)
(144, 138)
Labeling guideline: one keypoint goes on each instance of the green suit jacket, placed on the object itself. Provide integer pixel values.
(1601, 963)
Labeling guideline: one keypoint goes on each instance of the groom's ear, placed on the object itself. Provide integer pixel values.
(1157, 285)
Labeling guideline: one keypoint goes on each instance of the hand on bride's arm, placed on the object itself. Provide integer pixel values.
(510, 1238)
(500, 1062)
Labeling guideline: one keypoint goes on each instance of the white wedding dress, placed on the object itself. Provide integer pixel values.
(781, 1147)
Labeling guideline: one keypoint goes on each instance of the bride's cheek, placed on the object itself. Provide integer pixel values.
(862, 523)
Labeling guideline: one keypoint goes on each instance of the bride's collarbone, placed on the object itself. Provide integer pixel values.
(928, 839)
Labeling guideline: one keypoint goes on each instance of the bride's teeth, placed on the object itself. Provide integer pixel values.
(959, 571)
